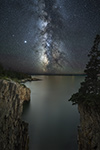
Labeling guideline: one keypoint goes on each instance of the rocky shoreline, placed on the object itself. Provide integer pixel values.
(89, 129)
(30, 79)
(13, 131)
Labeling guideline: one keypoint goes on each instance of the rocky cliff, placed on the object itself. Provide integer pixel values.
(13, 131)
(89, 129)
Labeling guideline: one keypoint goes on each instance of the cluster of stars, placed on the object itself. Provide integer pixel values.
(36, 30)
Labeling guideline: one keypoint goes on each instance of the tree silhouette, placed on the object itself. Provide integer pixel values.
(91, 85)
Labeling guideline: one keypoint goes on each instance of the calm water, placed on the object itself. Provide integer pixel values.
(52, 119)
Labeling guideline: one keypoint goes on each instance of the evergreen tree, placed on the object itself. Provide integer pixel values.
(91, 86)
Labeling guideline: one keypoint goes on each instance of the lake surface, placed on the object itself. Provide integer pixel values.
(52, 119)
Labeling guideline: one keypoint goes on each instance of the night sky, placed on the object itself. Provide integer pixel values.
(47, 36)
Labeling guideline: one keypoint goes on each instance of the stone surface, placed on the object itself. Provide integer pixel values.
(13, 131)
(89, 129)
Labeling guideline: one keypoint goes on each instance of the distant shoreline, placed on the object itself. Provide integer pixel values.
(58, 74)
(29, 80)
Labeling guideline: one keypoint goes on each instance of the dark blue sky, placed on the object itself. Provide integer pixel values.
(41, 36)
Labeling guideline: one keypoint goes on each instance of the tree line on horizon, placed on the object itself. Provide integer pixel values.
(6, 74)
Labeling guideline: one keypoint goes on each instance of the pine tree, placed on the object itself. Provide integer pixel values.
(91, 86)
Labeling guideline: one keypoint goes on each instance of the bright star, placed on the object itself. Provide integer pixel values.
(25, 42)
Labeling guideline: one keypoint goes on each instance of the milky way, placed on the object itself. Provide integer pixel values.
(52, 56)
(41, 36)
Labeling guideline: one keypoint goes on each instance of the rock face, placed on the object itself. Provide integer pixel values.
(13, 131)
(89, 130)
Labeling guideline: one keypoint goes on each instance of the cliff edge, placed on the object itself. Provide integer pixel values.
(13, 131)
(89, 129)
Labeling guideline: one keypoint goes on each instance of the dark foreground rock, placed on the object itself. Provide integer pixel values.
(13, 131)
(89, 130)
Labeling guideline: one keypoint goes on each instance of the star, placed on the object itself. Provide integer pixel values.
(51, 34)
(25, 42)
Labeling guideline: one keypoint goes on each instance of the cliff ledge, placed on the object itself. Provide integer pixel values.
(13, 131)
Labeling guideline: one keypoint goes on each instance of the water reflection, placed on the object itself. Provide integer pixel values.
(52, 119)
